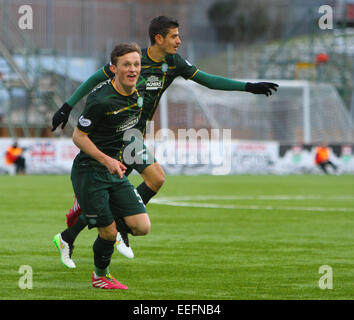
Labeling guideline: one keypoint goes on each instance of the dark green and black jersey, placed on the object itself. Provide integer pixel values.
(107, 115)
(155, 78)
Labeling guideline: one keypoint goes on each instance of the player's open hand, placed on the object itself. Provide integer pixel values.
(61, 116)
(261, 87)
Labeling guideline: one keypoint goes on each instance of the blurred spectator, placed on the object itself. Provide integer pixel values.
(14, 156)
(322, 158)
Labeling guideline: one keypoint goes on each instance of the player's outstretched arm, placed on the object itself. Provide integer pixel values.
(217, 82)
(221, 83)
(62, 115)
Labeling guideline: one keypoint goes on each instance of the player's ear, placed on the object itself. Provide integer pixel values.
(113, 68)
(158, 38)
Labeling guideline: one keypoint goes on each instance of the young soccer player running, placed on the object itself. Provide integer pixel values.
(103, 191)
(160, 66)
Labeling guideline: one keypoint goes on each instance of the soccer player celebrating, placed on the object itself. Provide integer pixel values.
(103, 191)
(160, 66)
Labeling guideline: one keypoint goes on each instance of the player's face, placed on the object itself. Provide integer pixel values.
(128, 69)
(171, 41)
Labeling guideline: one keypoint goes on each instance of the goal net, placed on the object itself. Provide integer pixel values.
(299, 112)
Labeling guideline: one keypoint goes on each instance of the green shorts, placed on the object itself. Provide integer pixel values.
(136, 155)
(103, 196)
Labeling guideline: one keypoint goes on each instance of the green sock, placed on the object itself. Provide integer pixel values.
(101, 272)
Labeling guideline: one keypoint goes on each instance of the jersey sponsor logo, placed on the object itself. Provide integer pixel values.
(129, 123)
(84, 122)
(153, 83)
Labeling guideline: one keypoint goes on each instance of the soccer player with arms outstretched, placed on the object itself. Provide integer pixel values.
(160, 66)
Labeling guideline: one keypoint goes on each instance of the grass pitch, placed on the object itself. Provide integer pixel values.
(229, 237)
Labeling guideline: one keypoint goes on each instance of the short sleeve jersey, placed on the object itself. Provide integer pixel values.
(155, 78)
(107, 115)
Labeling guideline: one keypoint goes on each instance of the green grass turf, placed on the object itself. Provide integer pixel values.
(191, 252)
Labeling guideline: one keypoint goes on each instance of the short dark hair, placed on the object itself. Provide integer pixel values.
(122, 49)
(161, 25)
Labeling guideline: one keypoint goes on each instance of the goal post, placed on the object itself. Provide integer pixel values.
(299, 112)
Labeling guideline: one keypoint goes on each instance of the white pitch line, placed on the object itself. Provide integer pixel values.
(253, 207)
(259, 197)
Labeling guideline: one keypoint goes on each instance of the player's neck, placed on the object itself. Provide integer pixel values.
(156, 54)
(122, 89)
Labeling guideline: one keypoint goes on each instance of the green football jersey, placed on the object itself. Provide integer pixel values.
(107, 115)
(155, 78)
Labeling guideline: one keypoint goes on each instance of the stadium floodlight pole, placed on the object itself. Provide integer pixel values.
(306, 112)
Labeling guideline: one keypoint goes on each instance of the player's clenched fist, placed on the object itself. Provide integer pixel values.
(115, 167)
(61, 116)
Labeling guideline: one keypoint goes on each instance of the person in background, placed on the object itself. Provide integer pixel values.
(14, 156)
(322, 158)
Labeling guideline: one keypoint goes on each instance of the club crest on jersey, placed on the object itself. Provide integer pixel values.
(140, 102)
(164, 67)
(153, 83)
(84, 122)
